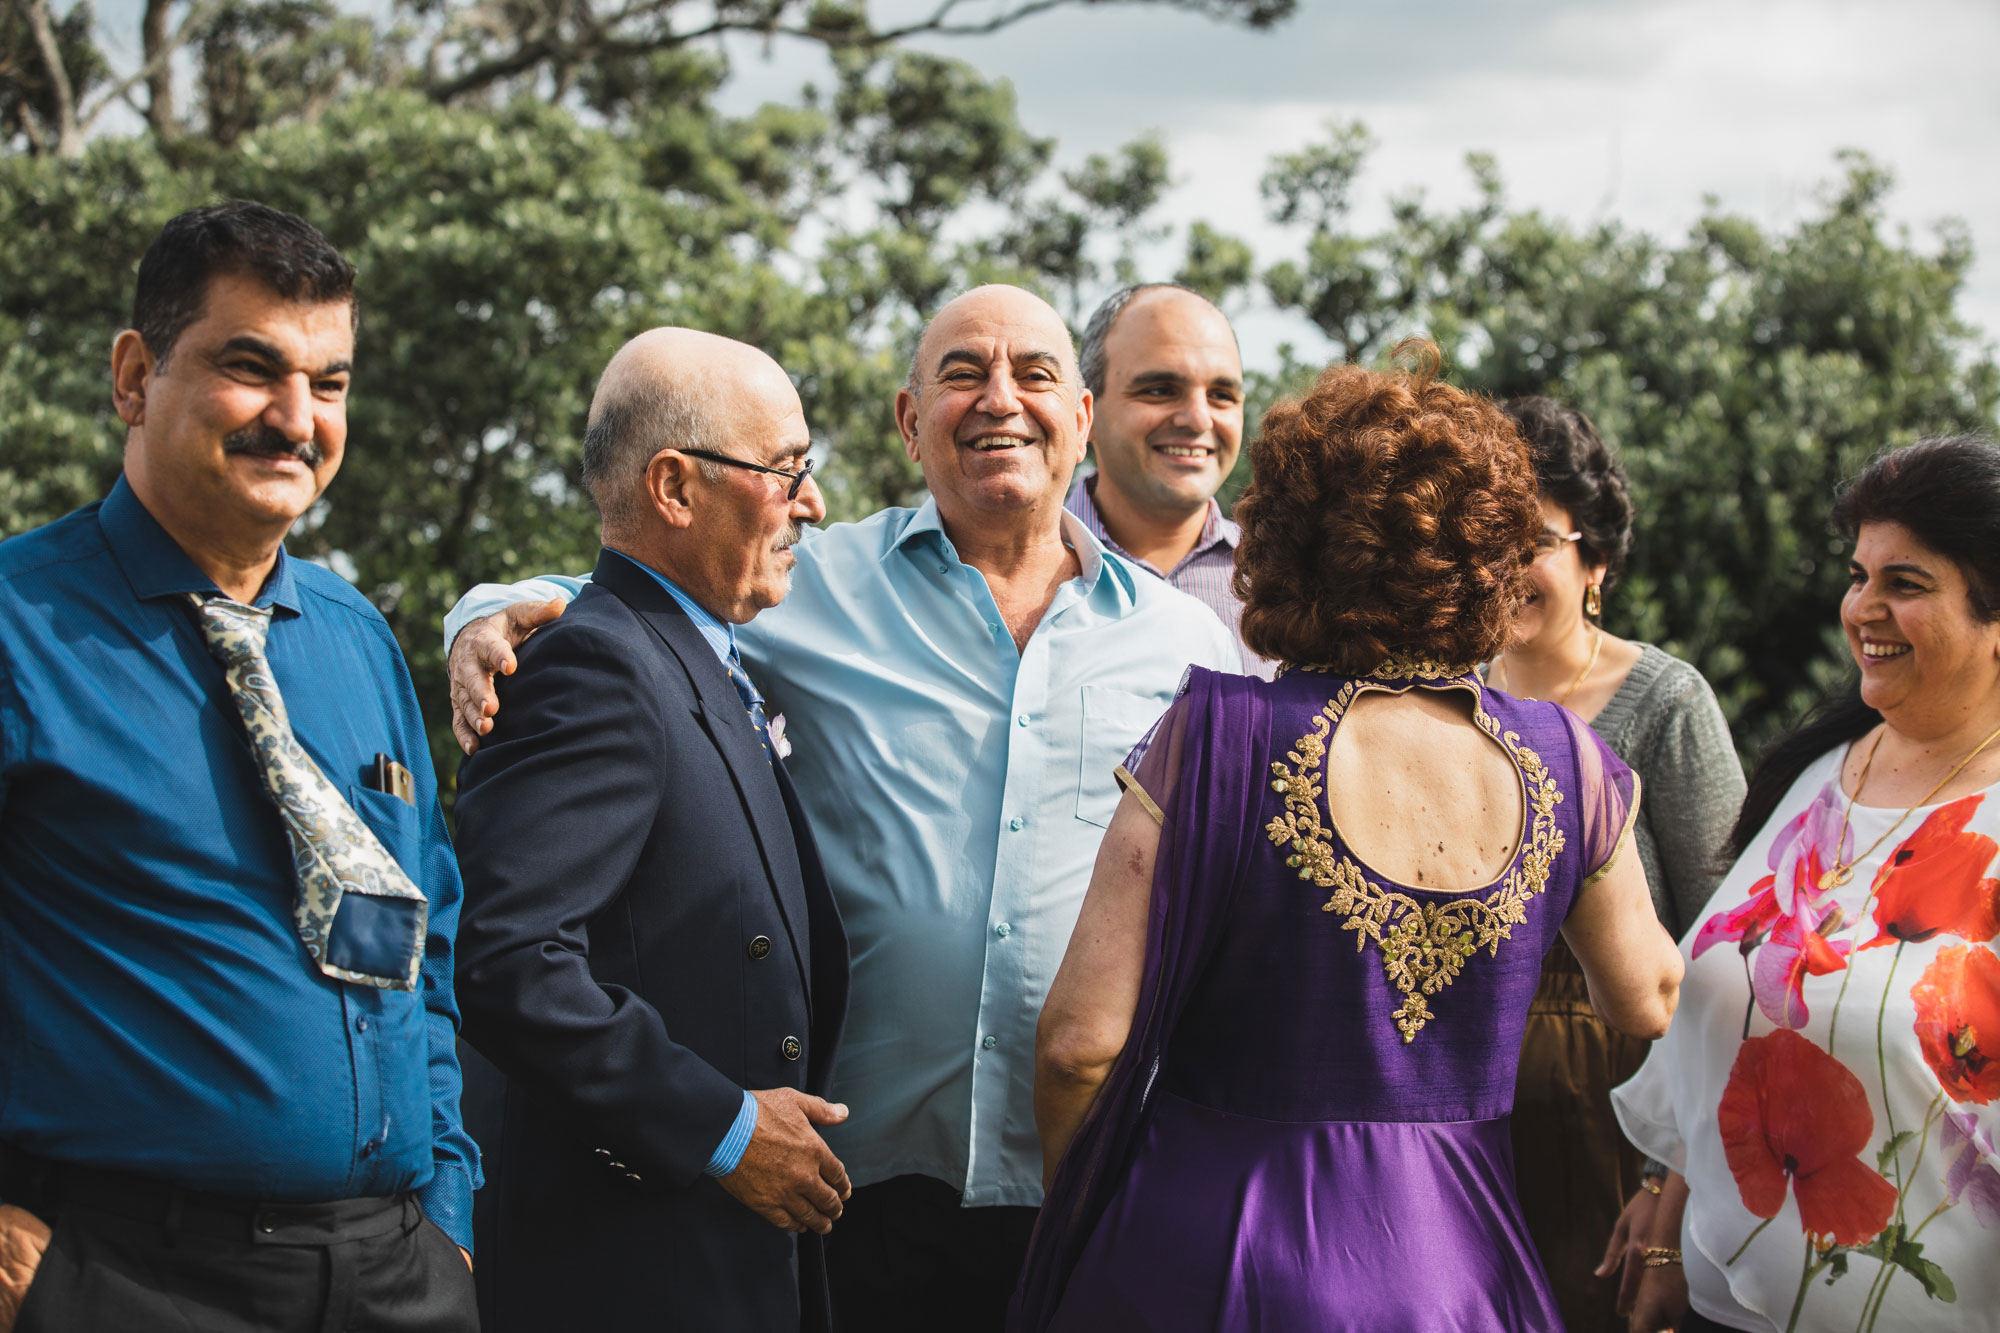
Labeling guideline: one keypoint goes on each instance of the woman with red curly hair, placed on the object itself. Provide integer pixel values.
(1274, 1071)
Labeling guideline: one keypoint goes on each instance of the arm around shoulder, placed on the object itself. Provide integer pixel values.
(486, 598)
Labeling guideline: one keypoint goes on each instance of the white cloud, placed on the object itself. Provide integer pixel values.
(1631, 109)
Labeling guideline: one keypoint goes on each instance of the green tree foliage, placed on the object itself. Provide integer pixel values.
(260, 60)
(1741, 373)
(521, 191)
(506, 251)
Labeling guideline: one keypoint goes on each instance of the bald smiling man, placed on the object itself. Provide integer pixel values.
(959, 681)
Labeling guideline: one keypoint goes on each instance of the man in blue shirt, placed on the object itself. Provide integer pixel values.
(228, 1089)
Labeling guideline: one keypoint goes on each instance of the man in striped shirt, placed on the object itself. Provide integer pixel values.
(1162, 363)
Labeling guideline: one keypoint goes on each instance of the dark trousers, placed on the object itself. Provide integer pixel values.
(906, 1256)
(130, 1256)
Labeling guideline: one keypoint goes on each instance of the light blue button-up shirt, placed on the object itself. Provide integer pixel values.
(958, 789)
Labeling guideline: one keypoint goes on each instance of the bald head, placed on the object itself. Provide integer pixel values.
(672, 388)
(996, 416)
(983, 308)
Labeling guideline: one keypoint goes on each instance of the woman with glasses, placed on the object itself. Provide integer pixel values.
(1575, 1169)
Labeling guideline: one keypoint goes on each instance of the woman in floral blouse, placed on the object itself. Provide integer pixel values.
(1829, 1094)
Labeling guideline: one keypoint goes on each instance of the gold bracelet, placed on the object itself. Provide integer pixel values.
(1650, 1184)
(1659, 1256)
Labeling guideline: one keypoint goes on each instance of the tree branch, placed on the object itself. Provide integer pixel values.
(937, 22)
(69, 137)
(596, 38)
(155, 66)
(599, 42)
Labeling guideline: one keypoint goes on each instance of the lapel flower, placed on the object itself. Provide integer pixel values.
(779, 745)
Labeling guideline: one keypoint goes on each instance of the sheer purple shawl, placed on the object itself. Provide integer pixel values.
(1206, 840)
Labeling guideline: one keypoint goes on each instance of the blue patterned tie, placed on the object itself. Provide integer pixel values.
(753, 702)
(378, 940)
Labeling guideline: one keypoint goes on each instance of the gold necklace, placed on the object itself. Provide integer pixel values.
(1842, 871)
(1596, 647)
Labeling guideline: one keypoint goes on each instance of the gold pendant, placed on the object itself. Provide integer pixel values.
(1835, 877)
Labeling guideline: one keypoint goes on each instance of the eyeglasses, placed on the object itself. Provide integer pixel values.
(797, 479)
(1547, 543)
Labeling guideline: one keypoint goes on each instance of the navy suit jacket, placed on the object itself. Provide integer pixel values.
(647, 932)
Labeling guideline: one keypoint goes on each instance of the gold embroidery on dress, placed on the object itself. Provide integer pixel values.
(1424, 946)
(1394, 668)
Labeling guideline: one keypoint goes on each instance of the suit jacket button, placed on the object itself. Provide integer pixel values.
(790, 1048)
(760, 948)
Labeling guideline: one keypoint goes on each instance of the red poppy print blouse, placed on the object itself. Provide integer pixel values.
(1830, 1086)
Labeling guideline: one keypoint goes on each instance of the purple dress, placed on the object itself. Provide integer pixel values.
(1308, 1126)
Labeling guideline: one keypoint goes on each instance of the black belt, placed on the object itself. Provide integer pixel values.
(48, 1188)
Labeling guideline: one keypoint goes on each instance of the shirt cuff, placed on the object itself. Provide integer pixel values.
(447, 1201)
(729, 1152)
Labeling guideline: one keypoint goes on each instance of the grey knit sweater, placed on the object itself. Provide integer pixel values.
(1665, 723)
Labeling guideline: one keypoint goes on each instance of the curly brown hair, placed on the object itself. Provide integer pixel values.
(1388, 515)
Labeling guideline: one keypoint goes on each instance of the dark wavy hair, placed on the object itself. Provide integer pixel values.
(283, 252)
(1576, 469)
(1946, 491)
(1388, 515)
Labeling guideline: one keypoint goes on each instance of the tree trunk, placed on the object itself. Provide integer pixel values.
(159, 83)
(69, 139)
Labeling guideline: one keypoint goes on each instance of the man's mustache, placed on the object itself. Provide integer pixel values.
(270, 442)
(790, 538)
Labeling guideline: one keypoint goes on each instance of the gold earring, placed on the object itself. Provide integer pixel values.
(1593, 601)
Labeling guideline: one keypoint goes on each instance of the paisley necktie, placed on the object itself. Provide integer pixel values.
(360, 917)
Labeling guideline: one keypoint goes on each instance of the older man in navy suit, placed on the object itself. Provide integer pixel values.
(649, 952)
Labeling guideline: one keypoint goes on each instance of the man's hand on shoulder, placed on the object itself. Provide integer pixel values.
(788, 1176)
(23, 1238)
(484, 649)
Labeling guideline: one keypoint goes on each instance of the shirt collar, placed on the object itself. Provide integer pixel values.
(1077, 535)
(1215, 529)
(156, 566)
(721, 635)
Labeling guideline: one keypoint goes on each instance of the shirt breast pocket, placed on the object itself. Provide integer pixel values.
(1113, 722)
(395, 825)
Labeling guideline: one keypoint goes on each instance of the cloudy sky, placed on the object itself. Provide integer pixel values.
(1632, 109)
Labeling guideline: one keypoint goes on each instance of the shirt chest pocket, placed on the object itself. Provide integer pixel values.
(394, 823)
(1113, 722)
